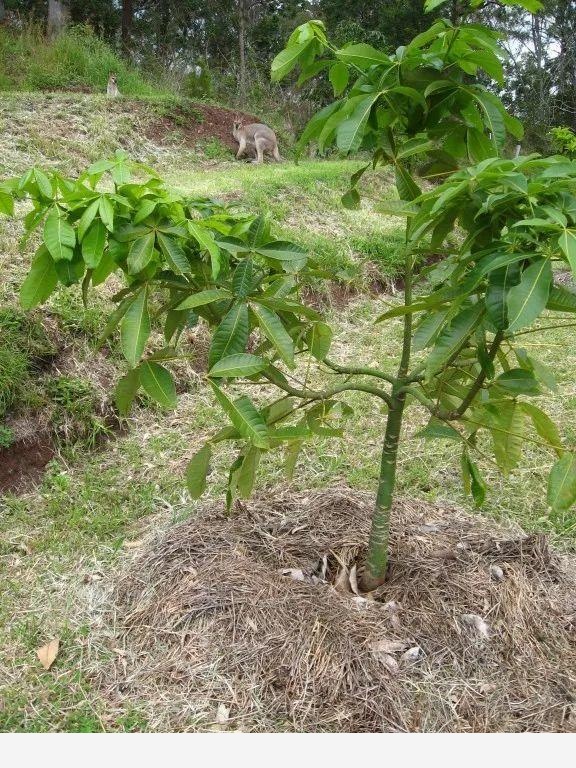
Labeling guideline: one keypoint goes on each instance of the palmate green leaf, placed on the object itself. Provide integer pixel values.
(493, 116)
(562, 483)
(429, 328)
(40, 281)
(70, 272)
(205, 240)
(472, 479)
(407, 187)
(126, 390)
(197, 471)
(135, 327)
(59, 236)
(174, 254)
(452, 338)
(567, 243)
(141, 253)
(319, 340)
(145, 209)
(233, 366)
(561, 299)
(338, 77)
(242, 278)
(106, 211)
(6, 203)
(544, 426)
(362, 55)
(289, 254)
(93, 244)
(315, 125)
(274, 330)
(496, 298)
(507, 424)
(247, 475)
(202, 298)
(287, 59)
(518, 381)
(231, 336)
(87, 218)
(439, 430)
(351, 132)
(158, 383)
(245, 418)
(527, 299)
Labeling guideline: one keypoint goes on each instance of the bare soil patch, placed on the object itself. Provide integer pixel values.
(214, 123)
(24, 462)
(239, 622)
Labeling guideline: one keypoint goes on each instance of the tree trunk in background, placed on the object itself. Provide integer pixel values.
(242, 49)
(2, 11)
(126, 31)
(58, 17)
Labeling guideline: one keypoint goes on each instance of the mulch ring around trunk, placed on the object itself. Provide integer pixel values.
(251, 623)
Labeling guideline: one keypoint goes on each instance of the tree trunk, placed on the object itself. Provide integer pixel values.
(242, 49)
(58, 17)
(2, 11)
(126, 30)
(376, 563)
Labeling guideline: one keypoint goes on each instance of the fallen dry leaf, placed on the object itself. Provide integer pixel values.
(412, 654)
(47, 653)
(222, 714)
(294, 573)
(477, 623)
(496, 572)
(389, 646)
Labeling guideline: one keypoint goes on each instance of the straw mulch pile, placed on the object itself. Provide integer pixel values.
(252, 623)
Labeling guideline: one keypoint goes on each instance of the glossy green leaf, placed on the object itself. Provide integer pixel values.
(231, 336)
(158, 383)
(567, 243)
(527, 300)
(40, 281)
(242, 278)
(174, 254)
(59, 236)
(562, 483)
(287, 59)
(106, 211)
(202, 298)
(362, 55)
(519, 382)
(351, 132)
(93, 244)
(237, 365)
(205, 240)
(135, 328)
(141, 253)
(453, 337)
(274, 330)
(197, 471)
(247, 474)
(244, 417)
(338, 77)
(126, 390)
(319, 340)
(544, 426)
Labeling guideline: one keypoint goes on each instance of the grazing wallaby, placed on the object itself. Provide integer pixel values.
(112, 87)
(255, 138)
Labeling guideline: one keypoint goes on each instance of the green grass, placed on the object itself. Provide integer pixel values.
(75, 59)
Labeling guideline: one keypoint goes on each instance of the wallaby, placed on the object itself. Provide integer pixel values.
(112, 87)
(256, 138)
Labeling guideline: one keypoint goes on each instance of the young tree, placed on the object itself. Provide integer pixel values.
(461, 357)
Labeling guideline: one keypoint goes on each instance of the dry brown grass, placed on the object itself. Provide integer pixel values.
(205, 619)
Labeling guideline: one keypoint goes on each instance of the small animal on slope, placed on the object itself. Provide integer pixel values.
(256, 139)
(112, 87)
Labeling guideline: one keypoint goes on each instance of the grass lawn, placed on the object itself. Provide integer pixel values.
(61, 543)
